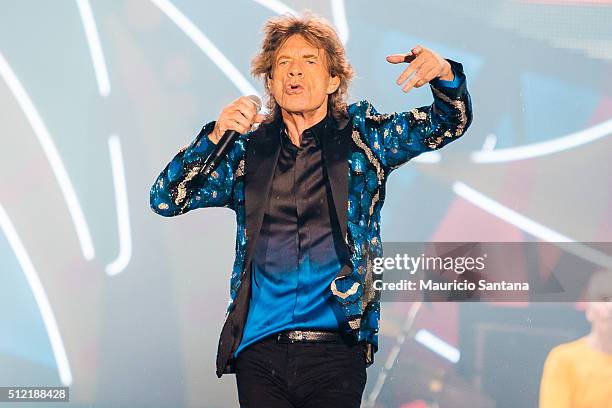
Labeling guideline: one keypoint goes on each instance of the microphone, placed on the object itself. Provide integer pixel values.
(224, 145)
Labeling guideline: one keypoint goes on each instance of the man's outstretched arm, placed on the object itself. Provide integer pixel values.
(398, 137)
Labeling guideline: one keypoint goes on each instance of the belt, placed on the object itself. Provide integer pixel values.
(294, 336)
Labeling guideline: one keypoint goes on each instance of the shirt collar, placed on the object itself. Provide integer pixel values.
(320, 130)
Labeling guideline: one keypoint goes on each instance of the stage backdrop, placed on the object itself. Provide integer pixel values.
(96, 96)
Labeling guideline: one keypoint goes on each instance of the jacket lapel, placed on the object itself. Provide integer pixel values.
(335, 157)
(260, 162)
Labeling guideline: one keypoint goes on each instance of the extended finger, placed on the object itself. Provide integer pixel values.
(425, 78)
(414, 66)
(410, 84)
(400, 58)
(427, 66)
(418, 77)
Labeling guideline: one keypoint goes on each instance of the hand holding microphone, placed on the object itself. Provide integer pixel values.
(239, 116)
(236, 119)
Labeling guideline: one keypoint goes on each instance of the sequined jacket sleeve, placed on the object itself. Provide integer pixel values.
(400, 136)
(179, 188)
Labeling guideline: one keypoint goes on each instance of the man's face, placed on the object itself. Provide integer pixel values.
(300, 80)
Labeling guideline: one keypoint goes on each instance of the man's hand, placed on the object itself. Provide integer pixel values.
(239, 115)
(425, 64)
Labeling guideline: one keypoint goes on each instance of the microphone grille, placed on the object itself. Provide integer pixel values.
(256, 100)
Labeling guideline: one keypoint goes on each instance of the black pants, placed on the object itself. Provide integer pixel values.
(301, 375)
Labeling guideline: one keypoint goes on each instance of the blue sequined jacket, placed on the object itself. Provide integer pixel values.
(367, 148)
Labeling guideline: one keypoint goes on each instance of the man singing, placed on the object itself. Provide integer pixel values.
(307, 186)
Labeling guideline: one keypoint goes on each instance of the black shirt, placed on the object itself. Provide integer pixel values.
(296, 257)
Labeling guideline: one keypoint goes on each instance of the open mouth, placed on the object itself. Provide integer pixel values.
(294, 89)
